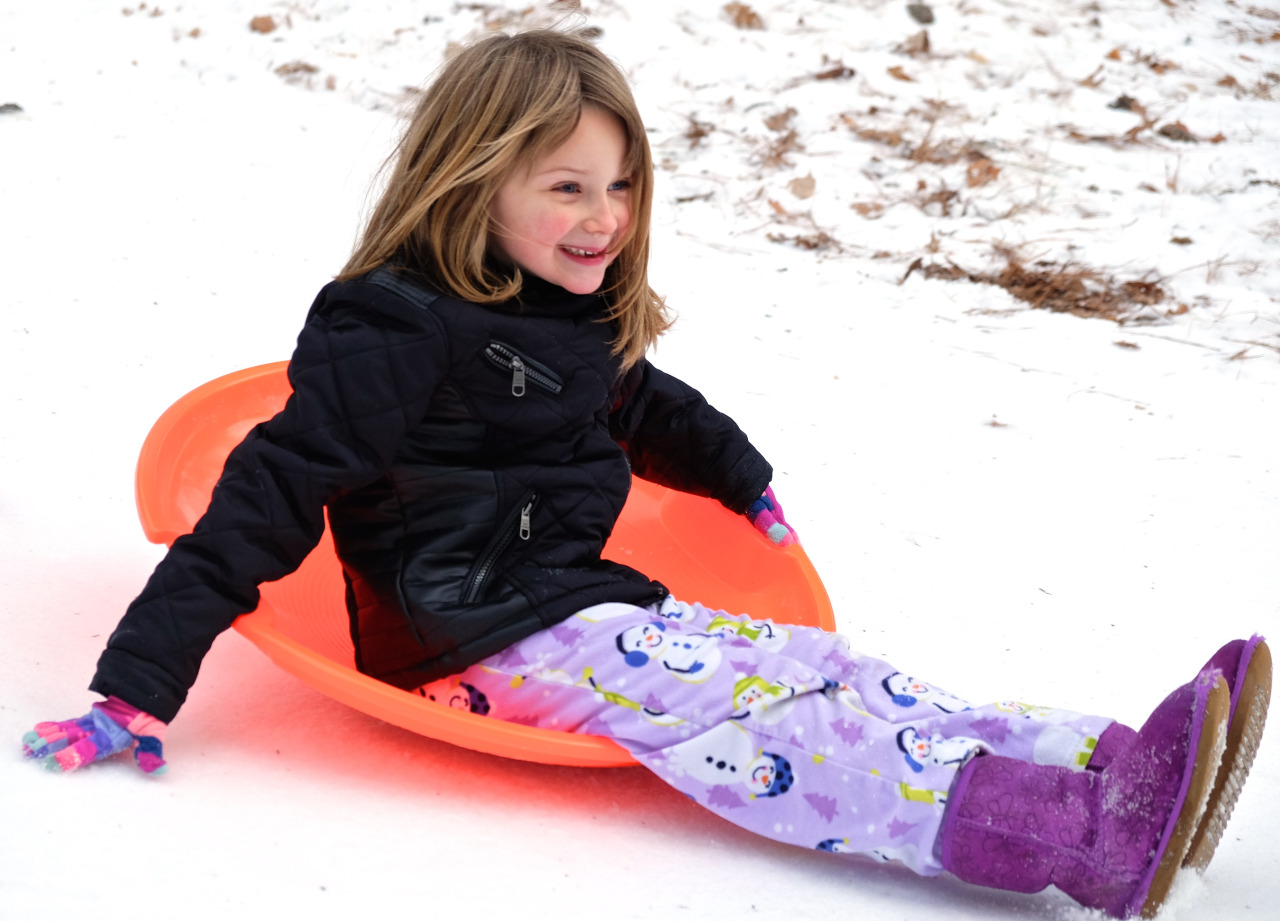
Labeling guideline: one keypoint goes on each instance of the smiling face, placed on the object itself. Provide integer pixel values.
(646, 638)
(905, 685)
(917, 746)
(565, 218)
(763, 773)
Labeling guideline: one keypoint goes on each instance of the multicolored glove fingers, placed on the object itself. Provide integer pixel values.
(766, 514)
(108, 728)
(70, 744)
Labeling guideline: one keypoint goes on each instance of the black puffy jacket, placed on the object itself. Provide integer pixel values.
(473, 461)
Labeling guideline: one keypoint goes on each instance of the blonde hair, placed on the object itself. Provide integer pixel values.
(495, 107)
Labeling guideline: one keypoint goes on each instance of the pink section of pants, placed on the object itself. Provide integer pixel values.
(782, 730)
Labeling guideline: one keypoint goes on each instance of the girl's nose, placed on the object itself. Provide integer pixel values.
(602, 215)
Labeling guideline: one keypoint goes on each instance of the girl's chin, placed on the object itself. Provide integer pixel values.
(582, 278)
(582, 286)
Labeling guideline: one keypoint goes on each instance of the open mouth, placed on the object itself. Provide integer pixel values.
(578, 253)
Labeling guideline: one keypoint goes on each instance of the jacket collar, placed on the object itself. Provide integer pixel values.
(539, 297)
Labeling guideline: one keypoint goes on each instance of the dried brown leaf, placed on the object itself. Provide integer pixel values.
(778, 121)
(296, 68)
(837, 71)
(980, 172)
(891, 138)
(942, 197)
(802, 186)
(695, 131)
(775, 155)
(262, 24)
(1177, 131)
(917, 44)
(818, 240)
(1157, 65)
(1143, 292)
(920, 12)
(743, 16)
(948, 272)
(915, 264)
(1126, 103)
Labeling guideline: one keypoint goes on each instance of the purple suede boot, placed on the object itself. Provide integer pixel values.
(1246, 667)
(1112, 840)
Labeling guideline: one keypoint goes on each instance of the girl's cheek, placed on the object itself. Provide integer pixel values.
(551, 228)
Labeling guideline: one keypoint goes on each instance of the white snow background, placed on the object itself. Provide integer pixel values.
(1007, 501)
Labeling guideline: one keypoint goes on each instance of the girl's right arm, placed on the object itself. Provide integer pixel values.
(109, 727)
(363, 372)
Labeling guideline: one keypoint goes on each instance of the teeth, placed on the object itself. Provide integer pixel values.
(573, 250)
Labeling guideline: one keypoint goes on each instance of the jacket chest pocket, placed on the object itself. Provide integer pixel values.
(522, 372)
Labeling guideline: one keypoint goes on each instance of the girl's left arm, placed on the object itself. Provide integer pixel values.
(673, 436)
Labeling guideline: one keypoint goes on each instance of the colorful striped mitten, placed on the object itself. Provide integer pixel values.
(109, 727)
(766, 514)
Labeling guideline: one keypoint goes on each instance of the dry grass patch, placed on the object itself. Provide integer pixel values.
(1059, 287)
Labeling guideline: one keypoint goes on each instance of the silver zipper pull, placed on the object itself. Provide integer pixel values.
(517, 376)
(526, 524)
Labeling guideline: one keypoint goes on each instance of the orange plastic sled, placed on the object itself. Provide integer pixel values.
(692, 545)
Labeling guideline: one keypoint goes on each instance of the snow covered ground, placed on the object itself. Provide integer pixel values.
(1009, 501)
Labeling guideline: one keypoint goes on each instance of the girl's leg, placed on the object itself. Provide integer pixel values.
(782, 730)
(1113, 839)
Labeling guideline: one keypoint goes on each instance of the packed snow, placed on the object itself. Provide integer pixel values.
(997, 293)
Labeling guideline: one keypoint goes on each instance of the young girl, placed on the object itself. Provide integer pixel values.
(471, 399)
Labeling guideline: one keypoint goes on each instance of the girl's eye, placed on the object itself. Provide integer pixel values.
(620, 185)
(566, 187)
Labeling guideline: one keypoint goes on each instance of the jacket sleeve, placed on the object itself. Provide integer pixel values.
(364, 370)
(673, 436)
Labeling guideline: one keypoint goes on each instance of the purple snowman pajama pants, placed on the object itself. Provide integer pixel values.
(782, 730)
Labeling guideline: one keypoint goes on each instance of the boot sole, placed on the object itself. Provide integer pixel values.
(1208, 755)
(1243, 736)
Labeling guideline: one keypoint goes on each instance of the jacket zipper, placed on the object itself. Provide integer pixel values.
(522, 370)
(518, 523)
